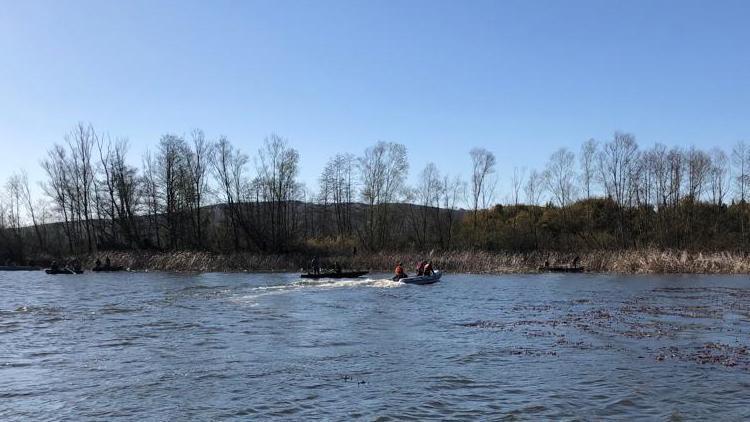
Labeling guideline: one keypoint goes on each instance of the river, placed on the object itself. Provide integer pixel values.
(159, 346)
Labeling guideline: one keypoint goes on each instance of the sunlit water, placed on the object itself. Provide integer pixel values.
(152, 346)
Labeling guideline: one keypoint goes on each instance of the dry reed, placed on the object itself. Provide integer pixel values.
(631, 262)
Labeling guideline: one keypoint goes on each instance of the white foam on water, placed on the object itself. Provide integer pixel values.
(321, 284)
(387, 283)
(341, 283)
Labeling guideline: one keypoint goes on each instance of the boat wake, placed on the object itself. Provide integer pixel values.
(312, 285)
(338, 283)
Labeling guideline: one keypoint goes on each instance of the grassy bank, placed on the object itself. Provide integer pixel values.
(631, 262)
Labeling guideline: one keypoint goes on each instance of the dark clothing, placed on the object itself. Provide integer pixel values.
(315, 263)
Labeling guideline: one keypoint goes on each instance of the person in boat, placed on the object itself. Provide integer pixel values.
(337, 268)
(575, 261)
(315, 264)
(420, 267)
(54, 266)
(400, 273)
(107, 263)
(428, 269)
(98, 264)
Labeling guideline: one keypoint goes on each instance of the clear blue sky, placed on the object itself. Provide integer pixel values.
(520, 78)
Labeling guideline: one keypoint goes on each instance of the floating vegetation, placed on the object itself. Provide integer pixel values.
(662, 324)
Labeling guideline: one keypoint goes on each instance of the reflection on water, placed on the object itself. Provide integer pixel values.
(216, 346)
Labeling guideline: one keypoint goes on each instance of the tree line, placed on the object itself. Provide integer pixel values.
(195, 193)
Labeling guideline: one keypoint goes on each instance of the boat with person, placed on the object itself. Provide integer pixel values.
(425, 274)
(334, 274)
(420, 279)
(572, 268)
(64, 271)
(73, 267)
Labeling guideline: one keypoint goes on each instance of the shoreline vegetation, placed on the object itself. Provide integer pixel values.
(471, 262)
(202, 204)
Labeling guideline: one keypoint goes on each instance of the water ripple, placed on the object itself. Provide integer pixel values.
(271, 346)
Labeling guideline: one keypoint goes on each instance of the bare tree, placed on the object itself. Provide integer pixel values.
(616, 161)
(427, 194)
(741, 167)
(150, 191)
(698, 168)
(12, 221)
(676, 171)
(229, 167)
(58, 188)
(22, 184)
(14, 195)
(517, 183)
(588, 164)
(81, 142)
(559, 177)
(382, 169)
(533, 188)
(278, 165)
(717, 176)
(197, 161)
(172, 172)
(659, 168)
(337, 187)
(483, 166)
(453, 192)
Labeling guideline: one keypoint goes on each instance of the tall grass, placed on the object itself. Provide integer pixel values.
(632, 262)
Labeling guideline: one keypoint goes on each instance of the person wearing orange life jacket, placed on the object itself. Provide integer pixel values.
(428, 269)
(400, 273)
(420, 267)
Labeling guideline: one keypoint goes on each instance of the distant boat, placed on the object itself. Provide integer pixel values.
(562, 269)
(19, 268)
(421, 279)
(342, 274)
(63, 271)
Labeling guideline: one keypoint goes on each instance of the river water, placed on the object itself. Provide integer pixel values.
(157, 346)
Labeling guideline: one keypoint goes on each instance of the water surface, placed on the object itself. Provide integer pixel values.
(155, 346)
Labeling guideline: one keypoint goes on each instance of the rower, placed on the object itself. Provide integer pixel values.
(315, 265)
(428, 269)
(400, 271)
(420, 267)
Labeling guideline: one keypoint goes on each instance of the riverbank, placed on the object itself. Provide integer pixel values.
(624, 262)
